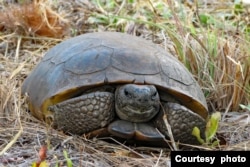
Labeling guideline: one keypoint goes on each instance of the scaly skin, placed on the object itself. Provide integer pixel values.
(182, 121)
(136, 105)
(84, 113)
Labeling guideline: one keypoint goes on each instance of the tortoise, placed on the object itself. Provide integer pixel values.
(119, 82)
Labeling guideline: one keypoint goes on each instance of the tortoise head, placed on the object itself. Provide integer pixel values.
(137, 103)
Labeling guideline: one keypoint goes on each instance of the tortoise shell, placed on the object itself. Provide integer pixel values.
(97, 59)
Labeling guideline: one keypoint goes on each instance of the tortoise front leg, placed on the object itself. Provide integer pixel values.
(84, 113)
(182, 121)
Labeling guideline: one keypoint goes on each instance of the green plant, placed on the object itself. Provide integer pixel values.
(245, 107)
(69, 162)
(210, 132)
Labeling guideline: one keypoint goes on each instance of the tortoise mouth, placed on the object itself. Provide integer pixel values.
(130, 110)
(132, 114)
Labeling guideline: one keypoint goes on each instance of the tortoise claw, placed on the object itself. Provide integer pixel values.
(138, 131)
(147, 132)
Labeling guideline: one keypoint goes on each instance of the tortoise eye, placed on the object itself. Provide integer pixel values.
(127, 93)
(154, 95)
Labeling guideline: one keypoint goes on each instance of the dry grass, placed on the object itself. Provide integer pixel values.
(218, 56)
(31, 19)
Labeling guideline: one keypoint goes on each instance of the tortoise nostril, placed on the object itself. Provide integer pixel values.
(143, 99)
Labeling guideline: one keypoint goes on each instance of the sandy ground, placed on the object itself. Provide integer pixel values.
(22, 136)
